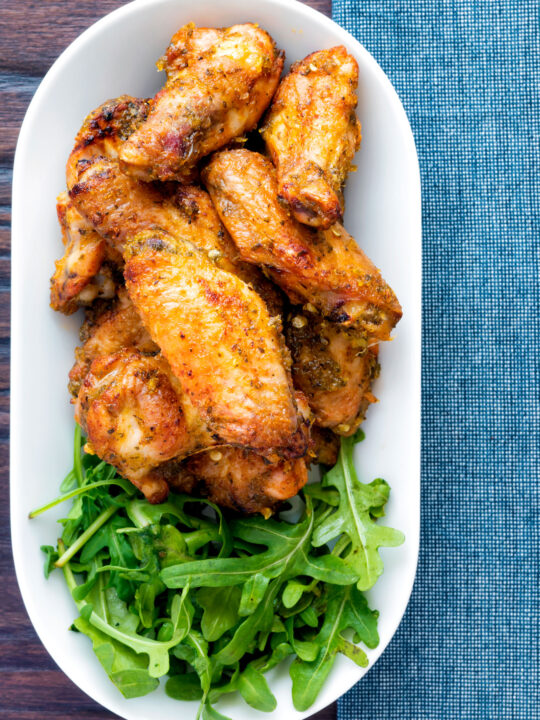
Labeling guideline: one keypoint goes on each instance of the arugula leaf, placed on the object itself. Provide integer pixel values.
(253, 687)
(51, 557)
(353, 517)
(120, 552)
(287, 555)
(184, 687)
(347, 608)
(127, 670)
(220, 610)
(158, 652)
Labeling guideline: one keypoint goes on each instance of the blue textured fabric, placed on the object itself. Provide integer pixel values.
(468, 76)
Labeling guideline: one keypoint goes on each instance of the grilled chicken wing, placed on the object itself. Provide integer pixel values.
(312, 134)
(135, 417)
(323, 267)
(77, 279)
(239, 479)
(334, 368)
(220, 341)
(118, 206)
(219, 84)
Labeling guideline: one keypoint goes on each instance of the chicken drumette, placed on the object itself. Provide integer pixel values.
(312, 134)
(219, 83)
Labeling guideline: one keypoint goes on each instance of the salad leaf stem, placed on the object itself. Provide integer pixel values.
(77, 459)
(86, 535)
(124, 484)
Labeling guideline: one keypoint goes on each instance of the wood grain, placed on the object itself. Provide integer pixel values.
(32, 35)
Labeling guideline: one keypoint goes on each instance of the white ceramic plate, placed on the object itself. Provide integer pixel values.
(116, 56)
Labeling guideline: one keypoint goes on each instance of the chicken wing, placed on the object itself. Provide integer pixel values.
(238, 479)
(220, 341)
(334, 368)
(135, 418)
(108, 332)
(118, 206)
(219, 84)
(77, 279)
(325, 268)
(312, 134)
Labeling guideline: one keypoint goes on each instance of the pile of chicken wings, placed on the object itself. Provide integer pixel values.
(232, 323)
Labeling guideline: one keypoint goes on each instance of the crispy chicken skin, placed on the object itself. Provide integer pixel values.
(77, 280)
(312, 134)
(220, 341)
(239, 479)
(110, 331)
(334, 367)
(219, 84)
(323, 267)
(134, 417)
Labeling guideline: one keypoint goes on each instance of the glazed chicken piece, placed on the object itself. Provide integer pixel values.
(220, 341)
(136, 417)
(324, 268)
(118, 206)
(77, 279)
(108, 332)
(239, 479)
(219, 83)
(334, 367)
(312, 134)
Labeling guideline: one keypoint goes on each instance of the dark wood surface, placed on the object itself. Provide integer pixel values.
(32, 35)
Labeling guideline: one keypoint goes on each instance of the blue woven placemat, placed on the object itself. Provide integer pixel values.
(468, 76)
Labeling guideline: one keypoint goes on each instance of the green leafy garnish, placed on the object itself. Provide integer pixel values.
(354, 520)
(215, 600)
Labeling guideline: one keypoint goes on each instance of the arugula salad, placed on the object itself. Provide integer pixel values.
(211, 600)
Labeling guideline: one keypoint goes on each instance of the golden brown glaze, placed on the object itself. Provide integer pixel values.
(323, 267)
(219, 339)
(334, 368)
(239, 479)
(312, 134)
(219, 84)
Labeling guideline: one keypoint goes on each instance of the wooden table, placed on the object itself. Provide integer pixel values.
(32, 35)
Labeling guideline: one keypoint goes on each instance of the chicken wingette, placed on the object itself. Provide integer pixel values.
(238, 479)
(135, 419)
(219, 83)
(325, 268)
(221, 343)
(312, 134)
